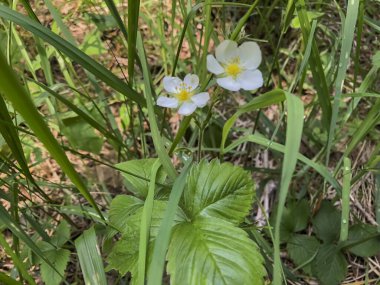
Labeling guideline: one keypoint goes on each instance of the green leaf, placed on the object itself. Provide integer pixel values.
(218, 190)
(302, 249)
(362, 232)
(330, 265)
(122, 207)
(295, 24)
(159, 208)
(61, 235)
(127, 248)
(213, 251)
(294, 219)
(81, 135)
(297, 216)
(59, 258)
(125, 254)
(82, 211)
(326, 223)
(138, 174)
(90, 259)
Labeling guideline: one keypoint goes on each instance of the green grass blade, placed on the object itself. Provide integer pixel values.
(7, 220)
(10, 135)
(242, 21)
(306, 56)
(22, 48)
(361, 95)
(35, 225)
(145, 225)
(365, 127)
(259, 139)
(45, 63)
(369, 79)
(188, 18)
(90, 259)
(16, 260)
(358, 42)
(29, 10)
(72, 52)
(133, 22)
(156, 268)
(115, 14)
(292, 144)
(262, 101)
(14, 92)
(9, 40)
(5, 279)
(372, 23)
(58, 19)
(208, 29)
(316, 66)
(181, 132)
(377, 198)
(289, 12)
(68, 36)
(347, 41)
(89, 119)
(347, 174)
(157, 140)
(191, 14)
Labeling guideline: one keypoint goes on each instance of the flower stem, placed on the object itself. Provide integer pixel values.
(201, 131)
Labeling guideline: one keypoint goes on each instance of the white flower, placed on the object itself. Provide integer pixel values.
(183, 94)
(235, 66)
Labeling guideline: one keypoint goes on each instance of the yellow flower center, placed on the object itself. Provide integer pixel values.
(233, 69)
(183, 95)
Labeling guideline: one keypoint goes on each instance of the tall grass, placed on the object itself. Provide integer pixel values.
(318, 74)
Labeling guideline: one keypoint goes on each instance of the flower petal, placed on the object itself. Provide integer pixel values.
(187, 108)
(226, 51)
(250, 55)
(192, 81)
(250, 79)
(228, 83)
(167, 102)
(201, 99)
(171, 84)
(213, 65)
